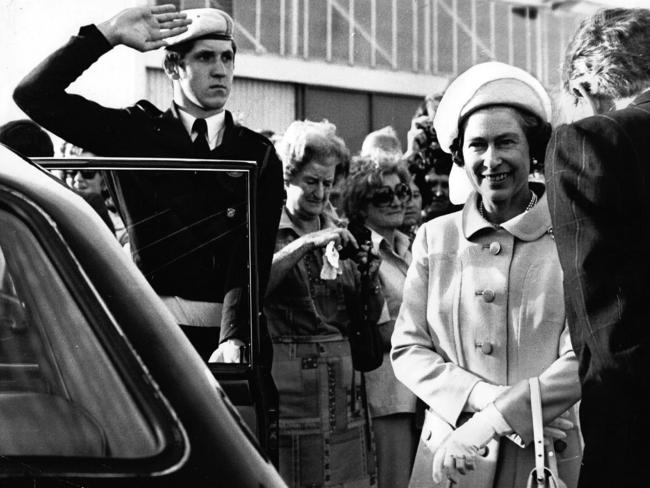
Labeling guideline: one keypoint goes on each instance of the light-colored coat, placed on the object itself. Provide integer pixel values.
(486, 303)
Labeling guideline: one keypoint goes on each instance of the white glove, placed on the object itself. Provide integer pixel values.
(482, 395)
(228, 352)
(457, 453)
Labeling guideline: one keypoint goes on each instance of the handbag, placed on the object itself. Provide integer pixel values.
(545, 473)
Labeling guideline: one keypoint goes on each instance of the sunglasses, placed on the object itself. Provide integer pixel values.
(384, 195)
(87, 174)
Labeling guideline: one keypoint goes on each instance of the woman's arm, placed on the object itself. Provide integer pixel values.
(441, 384)
(560, 389)
(287, 257)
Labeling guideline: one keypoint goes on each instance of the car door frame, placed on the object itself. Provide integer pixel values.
(249, 387)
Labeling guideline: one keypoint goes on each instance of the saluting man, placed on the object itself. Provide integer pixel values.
(187, 233)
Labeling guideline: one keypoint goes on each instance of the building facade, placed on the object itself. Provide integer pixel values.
(361, 64)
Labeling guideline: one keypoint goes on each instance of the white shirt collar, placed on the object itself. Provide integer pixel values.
(215, 125)
(401, 242)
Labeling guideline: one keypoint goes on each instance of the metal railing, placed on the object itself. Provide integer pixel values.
(440, 37)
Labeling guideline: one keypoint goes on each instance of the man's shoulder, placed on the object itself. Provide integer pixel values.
(251, 136)
(145, 109)
(616, 128)
(631, 115)
(247, 143)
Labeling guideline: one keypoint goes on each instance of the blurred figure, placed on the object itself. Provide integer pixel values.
(341, 173)
(413, 214)
(381, 144)
(27, 138)
(482, 305)
(598, 181)
(427, 162)
(376, 195)
(311, 300)
(90, 184)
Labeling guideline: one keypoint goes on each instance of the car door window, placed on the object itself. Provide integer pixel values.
(61, 393)
(186, 225)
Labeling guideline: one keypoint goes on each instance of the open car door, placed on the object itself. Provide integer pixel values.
(248, 383)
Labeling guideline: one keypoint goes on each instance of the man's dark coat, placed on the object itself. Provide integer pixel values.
(598, 174)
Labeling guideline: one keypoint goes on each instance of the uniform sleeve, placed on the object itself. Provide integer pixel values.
(441, 384)
(270, 198)
(42, 95)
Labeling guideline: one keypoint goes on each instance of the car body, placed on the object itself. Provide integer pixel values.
(98, 385)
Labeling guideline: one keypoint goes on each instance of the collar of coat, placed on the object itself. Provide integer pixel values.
(527, 226)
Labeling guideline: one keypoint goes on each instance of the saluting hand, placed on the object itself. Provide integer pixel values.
(144, 28)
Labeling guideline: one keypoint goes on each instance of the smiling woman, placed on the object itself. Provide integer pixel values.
(483, 307)
(497, 161)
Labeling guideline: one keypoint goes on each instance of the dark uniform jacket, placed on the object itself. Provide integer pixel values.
(187, 233)
(598, 172)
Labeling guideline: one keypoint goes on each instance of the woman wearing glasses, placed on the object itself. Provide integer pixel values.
(89, 184)
(483, 303)
(312, 295)
(376, 195)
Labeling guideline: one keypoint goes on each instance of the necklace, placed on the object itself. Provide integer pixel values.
(531, 204)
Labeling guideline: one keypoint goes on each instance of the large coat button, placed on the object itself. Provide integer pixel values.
(487, 348)
(488, 295)
(495, 248)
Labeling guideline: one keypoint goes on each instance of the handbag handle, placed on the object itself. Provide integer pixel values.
(538, 431)
(542, 473)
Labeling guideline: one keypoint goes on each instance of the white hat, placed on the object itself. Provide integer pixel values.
(210, 23)
(486, 84)
(482, 85)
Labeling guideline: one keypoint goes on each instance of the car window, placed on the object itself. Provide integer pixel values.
(60, 392)
(186, 225)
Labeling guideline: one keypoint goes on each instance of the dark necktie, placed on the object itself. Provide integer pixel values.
(201, 147)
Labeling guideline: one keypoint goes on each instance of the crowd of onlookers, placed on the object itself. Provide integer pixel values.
(491, 250)
(386, 189)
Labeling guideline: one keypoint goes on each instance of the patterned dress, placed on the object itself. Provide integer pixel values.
(325, 432)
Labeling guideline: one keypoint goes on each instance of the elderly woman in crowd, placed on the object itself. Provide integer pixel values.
(325, 437)
(483, 306)
(376, 195)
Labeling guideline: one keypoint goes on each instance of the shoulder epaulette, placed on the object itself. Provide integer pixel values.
(149, 108)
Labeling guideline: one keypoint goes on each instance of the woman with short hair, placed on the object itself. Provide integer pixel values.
(325, 438)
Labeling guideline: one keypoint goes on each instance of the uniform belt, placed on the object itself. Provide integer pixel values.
(193, 312)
